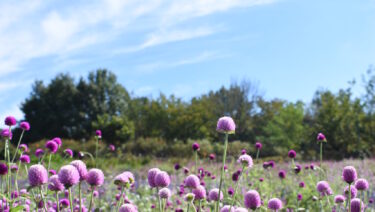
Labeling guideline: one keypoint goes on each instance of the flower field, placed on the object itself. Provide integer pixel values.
(32, 181)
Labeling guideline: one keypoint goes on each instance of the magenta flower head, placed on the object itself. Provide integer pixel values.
(322, 187)
(192, 181)
(349, 174)
(339, 199)
(10, 121)
(199, 192)
(299, 197)
(124, 179)
(282, 174)
(64, 203)
(3, 169)
(24, 148)
(353, 192)
(68, 176)
(213, 195)
(252, 200)
(245, 160)
(258, 145)
(227, 208)
(39, 153)
(25, 159)
(292, 154)
(321, 138)
(361, 184)
(356, 205)
(14, 168)
(195, 146)
(69, 152)
(37, 175)
(301, 184)
(177, 166)
(25, 126)
(98, 133)
(58, 141)
(6, 133)
(151, 176)
(243, 151)
(55, 184)
(275, 204)
(52, 146)
(112, 147)
(226, 125)
(95, 177)
(81, 168)
(52, 172)
(165, 193)
(212, 156)
(128, 208)
(162, 179)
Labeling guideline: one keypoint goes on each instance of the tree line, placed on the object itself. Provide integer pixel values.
(73, 109)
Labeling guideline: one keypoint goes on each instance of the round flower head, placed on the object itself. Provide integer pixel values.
(189, 197)
(361, 184)
(299, 197)
(95, 177)
(356, 205)
(14, 168)
(52, 172)
(322, 187)
(3, 169)
(98, 133)
(151, 176)
(37, 175)
(349, 174)
(58, 141)
(162, 179)
(124, 179)
(339, 199)
(227, 208)
(130, 176)
(68, 175)
(226, 125)
(246, 160)
(112, 147)
(52, 146)
(24, 148)
(55, 184)
(301, 184)
(6, 133)
(252, 200)
(177, 166)
(240, 210)
(282, 174)
(10, 121)
(275, 204)
(292, 154)
(81, 168)
(353, 192)
(213, 195)
(25, 126)
(39, 153)
(195, 146)
(230, 191)
(258, 145)
(243, 151)
(14, 195)
(192, 181)
(128, 208)
(321, 138)
(69, 152)
(64, 203)
(199, 192)
(25, 159)
(212, 156)
(165, 193)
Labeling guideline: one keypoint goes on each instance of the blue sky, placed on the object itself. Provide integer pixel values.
(290, 48)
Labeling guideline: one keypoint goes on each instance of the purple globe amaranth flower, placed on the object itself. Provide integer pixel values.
(243, 151)
(81, 168)
(353, 192)
(58, 141)
(25, 126)
(165, 193)
(349, 174)
(322, 187)
(52, 172)
(3, 169)
(128, 208)
(230, 191)
(37, 175)
(151, 176)
(14, 168)
(68, 175)
(177, 166)
(246, 160)
(252, 200)
(52, 146)
(14, 195)
(275, 204)
(55, 184)
(199, 192)
(297, 169)
(124, 179)
(321, 137)
(212, 156)
(162, 179)
(95, 177)
(98, 133)
(292, 154)
(112, 147)
(299, 197)
(25, 158)
(339, 199)
(10, 121)
(69, 152)
(282, 174)
(192, 181)
(227, 208)
(213, 195)
(258, 145)
(64, 203)
(301, 184)
(195, 146)
(361, 184)
(356, 205)
(24, 148)
(226, 125)
(6, 133)
(39, 153)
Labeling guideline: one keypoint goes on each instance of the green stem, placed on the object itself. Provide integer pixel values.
(80, 196)
(157, 193)
(350, 198)
(200, 205)
(18, 145)
(57, 201)
(120, 201)
(96, 152)
(188, 207)
(49, 162)
(71, 199)
(256, 159)
(92, 193)
(196, 161)
(15, 179)
(222, 169)
(236, 187)
(43, 200)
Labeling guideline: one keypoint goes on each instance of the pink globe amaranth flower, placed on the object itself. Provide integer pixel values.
(275, 204)
(68, 176)
(339, 199)
(162, 179)
(212, 156)
(299, 197)
(14, 195)
(124, 179)
(292, 154)
(6, 133)
(192, 181)
(128, 208)
(353, 192)
(25, 126)
(349, 174)
(186, 170)
(356, 205)
(112, 147)
(81, 168)
(195, 146)
(23, 192)
(64, 203)
(297, 169)
(199, 192)
(361, 184)
(69, 152)
(282, 174)
(58, 141)
(301, 184)
(243, 151)
(25, 159)
(55, 184)
(177, 166)
(52, 172)
(3, 169)
(227, 208)
(95, 193)
(14, 168)
(252, 199)
(151, 176)
(95, 177)
(322, 187)
(37, 175)
(52, 146)
(213, 195)
(258, 145)
(226, 125)
(10, 121)
(321, 137)
(98, 133)
(165, 193)
(246, 160)
(39, 153)
(24, 148)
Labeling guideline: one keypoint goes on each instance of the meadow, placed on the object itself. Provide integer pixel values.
(53, 177)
